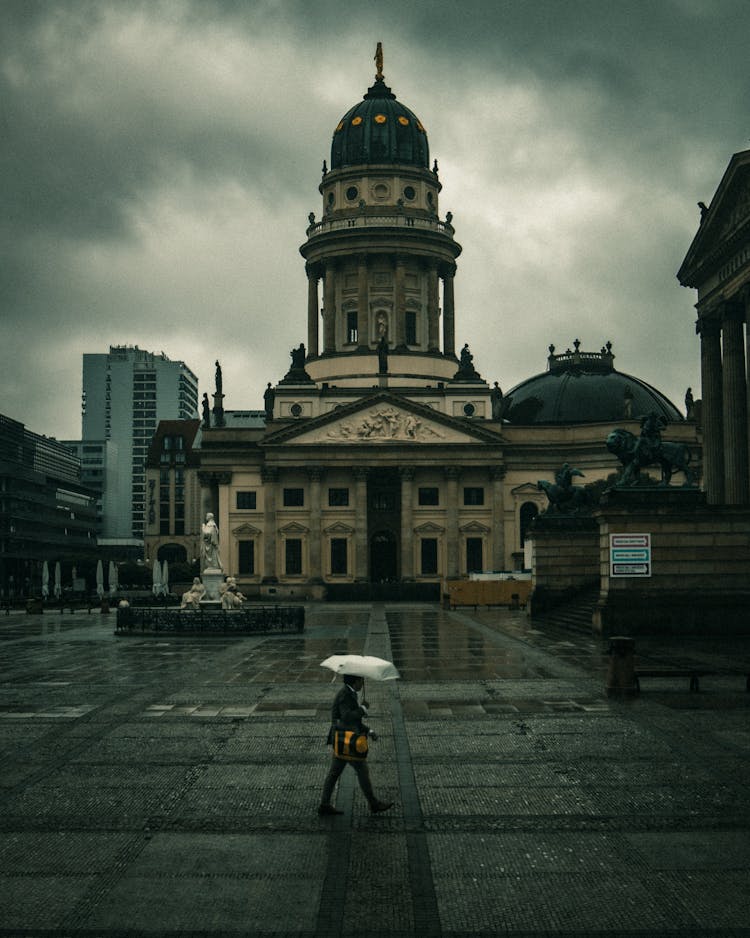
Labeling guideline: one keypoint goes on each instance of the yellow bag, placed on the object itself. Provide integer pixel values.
(350, 745)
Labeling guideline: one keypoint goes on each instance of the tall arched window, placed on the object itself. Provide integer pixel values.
(529, 511)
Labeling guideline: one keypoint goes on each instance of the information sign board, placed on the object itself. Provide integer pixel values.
(629, 555)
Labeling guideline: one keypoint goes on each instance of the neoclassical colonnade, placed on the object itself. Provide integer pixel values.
(316, 520)
(327, 272)
(725, 351)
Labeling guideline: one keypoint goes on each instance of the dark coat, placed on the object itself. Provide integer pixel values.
(346, 713)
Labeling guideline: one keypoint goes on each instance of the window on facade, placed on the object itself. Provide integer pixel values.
(164, 525)
(294, 498)
(338, 556)
(338, 497)
(179, 527)
(474, 495)
(429, 495)
(352, 332)
(429, 556)
(474, 555)
(293, 553)
(411, 327)
(529, 511)
(247, 557)
(247, 499)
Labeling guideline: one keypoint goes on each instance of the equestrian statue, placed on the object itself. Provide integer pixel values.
(636, 453)
(562, 494)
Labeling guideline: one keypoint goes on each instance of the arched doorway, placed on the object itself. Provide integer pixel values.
(172, 553)
(383, 557)
(529, 511)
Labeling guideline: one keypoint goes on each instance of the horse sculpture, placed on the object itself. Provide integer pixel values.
(562, 494)
(671, 457)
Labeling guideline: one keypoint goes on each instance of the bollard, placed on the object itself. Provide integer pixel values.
(621, 677)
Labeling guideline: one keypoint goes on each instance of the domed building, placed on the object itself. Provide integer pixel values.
(383, 460)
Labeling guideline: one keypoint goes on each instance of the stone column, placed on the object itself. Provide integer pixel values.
(312, 312)
(713, 424)
(399, 325)
(449, 326)
(451, 474)
(407, 522)
(315, 474)
(363, 303)
(270, 477)
(329, 310)
(736, 482)
(360, 523)
(497, 474)
(433, 326)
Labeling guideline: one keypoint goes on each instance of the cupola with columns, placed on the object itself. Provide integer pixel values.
(380, 261)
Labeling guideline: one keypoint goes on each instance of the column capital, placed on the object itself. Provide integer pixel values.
(214, 478)
(733, 310)
(451, 472)
(315, 473)
(269, 473)
(497, 473)
(707, 327)
(361, 473)
(406, 473)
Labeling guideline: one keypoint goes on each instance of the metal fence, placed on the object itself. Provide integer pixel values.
(249, 620)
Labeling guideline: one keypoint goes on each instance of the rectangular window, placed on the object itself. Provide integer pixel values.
(179, 527)
(429, 495)
(164, 526)
(293, 551)
(338, 498)
(474, 495)
(294, 498)
(474, 555)
(352, 332)
(338, 556)
(429, 556)
(247, 558)
(411, 327)
(246, 499)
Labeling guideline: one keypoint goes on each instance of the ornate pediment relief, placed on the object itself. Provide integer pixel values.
(384, 423)
(293, 528)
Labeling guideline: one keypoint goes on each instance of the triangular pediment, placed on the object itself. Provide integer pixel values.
(294, 527)
(526, 489)
(338, 528)
(474, 527)
(382, 419)
(724, 226)
(245, 530)
(429, 527)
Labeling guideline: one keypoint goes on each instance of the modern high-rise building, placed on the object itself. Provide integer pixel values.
(126, 392)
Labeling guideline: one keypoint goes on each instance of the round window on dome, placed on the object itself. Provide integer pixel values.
(469, 410)
(380, 191)
(356, 121)
(404, 121)
(340, 127)
(351, 193)
(410, 193)
(380, 118)
(295, 410)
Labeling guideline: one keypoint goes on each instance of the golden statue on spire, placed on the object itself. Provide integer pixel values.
(379, 62)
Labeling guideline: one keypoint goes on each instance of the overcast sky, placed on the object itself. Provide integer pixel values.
(158, 162)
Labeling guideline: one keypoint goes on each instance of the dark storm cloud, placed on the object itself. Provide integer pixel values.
(159, 159)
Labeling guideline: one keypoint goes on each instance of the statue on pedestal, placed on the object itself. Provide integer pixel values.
(383, 355)
(210, 559)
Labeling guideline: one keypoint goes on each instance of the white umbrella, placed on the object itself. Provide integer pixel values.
(156, 578)
(363, 666)
(99, 579)
(113, 584)
(45, 580)
(165, 577)
(58, 581)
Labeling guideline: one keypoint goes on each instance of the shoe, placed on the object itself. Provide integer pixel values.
(328, 809)
(380, 806)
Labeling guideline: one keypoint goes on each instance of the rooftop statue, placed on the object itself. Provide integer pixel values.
(636, 453)
(562, 494)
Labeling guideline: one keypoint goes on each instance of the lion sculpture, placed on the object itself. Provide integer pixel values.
(671, 457)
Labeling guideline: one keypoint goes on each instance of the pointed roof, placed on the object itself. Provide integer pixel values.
(724, 226)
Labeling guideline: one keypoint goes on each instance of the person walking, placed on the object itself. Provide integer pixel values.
(347, 713)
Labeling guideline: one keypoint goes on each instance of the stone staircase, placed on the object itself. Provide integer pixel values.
(574, 615)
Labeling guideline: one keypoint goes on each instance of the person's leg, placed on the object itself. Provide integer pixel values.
(363, 775)
(335, 770)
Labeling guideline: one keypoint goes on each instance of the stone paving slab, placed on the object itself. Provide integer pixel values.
(168, 788)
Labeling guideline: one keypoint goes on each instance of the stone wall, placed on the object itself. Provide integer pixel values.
(565, 559)
(700, 580)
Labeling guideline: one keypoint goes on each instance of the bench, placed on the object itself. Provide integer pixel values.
(693, 674)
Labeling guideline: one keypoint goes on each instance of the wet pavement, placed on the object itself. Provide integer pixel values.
(168, 786)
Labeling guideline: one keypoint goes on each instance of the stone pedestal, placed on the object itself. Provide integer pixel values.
(565, 559)
(700, 558)
(212, 578)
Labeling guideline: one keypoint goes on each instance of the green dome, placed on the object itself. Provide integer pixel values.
(379, 130)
